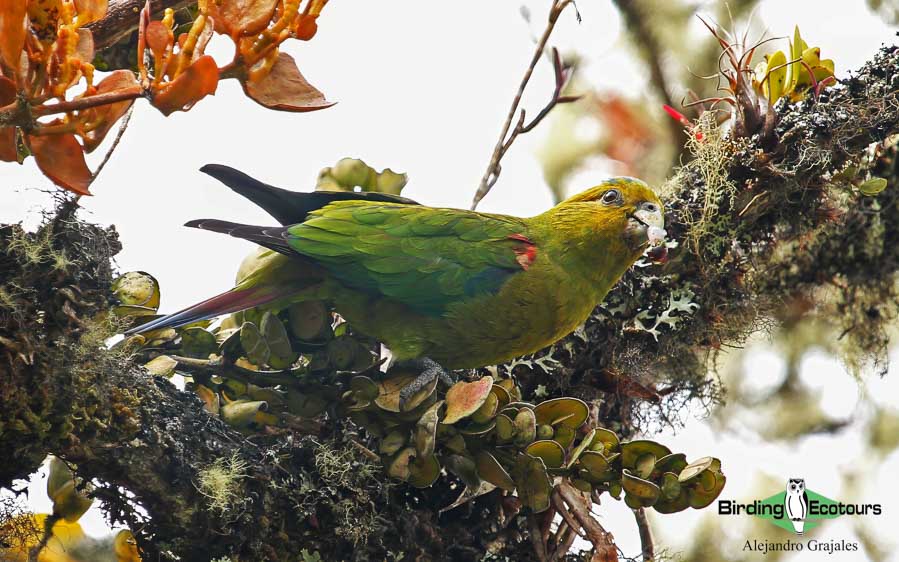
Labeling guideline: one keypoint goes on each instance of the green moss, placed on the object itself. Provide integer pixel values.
(221, 483)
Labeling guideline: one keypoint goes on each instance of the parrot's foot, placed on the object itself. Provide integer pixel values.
(428, 370)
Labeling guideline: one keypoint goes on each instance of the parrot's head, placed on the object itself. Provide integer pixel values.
(617, 220)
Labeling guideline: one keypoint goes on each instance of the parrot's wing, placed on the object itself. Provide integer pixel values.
(424, 257)
(290, 207)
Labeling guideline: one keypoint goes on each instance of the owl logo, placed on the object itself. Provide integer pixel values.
(796, 503)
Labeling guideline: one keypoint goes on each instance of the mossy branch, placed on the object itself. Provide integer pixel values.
(793, 223)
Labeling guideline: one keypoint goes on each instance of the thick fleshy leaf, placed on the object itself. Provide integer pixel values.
(533, 483)
(198, 343)
(242, 17)
(61, 159)
(109, 114)
(645, 491)
(281, 354)
(492, 471)
(633, 450)
(426, 430)
(562, 411)
(389, 392)
(254, 345)
(198, 81)
(8, 152)
(423, 471)
(285, 89)
(551, 452)
(12, 31)
(137, 294)
(163, 366)
(464, 398)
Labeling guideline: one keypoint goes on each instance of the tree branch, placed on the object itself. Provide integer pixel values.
(646, 542)
(503, 144)
(741, 258)
(122, 18)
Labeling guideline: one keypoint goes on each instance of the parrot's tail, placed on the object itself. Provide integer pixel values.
(230, 301)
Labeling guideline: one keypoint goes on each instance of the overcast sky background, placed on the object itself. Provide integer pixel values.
(424, 90)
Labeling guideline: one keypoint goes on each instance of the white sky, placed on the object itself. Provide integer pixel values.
(423, 88)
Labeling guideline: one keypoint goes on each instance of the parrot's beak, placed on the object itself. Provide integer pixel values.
(647, 227)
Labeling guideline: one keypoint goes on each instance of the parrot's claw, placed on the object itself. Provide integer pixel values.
(428, 370)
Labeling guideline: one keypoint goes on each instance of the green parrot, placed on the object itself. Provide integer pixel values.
(441, 288)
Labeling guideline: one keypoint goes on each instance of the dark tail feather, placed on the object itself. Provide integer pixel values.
(289, 207)
(281, 204)
(231, 301)
(272, 238)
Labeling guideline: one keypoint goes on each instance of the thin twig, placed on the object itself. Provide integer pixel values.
(645, 535)
(505, 140)
(115, 143)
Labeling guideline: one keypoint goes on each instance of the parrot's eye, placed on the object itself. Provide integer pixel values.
(611, 197)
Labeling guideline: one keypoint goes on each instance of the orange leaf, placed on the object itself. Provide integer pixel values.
(199, 80)
(7, 91)
(90, 10)
(242, 17)
(108, 114)
(85, 49)
(285, 89)
(12, 32)
(8, 151)
(305, 27)
(61, 159)
(158, 37)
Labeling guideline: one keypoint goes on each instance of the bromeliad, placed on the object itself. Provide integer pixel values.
(441, 288)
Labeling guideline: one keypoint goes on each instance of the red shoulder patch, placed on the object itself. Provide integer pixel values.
(525, 252)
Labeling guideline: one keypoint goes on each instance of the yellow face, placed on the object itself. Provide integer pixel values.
(626, 208)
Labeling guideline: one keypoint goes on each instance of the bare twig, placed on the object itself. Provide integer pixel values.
(645, 535)
(115, 143)
(506, 139)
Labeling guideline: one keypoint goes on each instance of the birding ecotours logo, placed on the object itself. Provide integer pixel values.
(796, 509)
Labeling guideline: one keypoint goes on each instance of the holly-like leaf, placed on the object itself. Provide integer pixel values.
(198, 81)
(242, 17)
(12, 32)
(285, 89)
(61, 159)
(110, 113)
